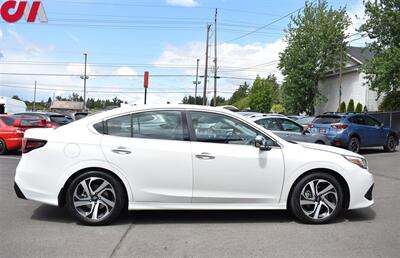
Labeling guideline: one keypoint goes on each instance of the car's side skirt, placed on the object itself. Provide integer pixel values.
(204, 206)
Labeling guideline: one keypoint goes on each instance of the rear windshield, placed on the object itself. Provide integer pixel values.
(59, 119)
(327, 119)
(80, 115)
(8, 120)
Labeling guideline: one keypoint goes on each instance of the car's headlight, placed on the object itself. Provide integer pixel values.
(358, 161)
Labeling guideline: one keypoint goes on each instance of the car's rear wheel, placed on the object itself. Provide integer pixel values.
(95, 198)
(3, 147)
(391, 144)
(316, 199)
(320, 142)
(354, 145)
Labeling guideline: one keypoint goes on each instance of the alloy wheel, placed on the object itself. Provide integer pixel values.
(392, 143)
(94, 198)
(318, 199)
(354, 145)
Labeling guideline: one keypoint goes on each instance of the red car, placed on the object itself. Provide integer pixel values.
(12, 131)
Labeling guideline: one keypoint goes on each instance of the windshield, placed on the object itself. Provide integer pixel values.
(327, 119)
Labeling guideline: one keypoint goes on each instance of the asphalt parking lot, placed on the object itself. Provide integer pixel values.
(29, 229)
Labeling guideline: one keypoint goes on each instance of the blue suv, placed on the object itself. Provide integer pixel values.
(355, 130)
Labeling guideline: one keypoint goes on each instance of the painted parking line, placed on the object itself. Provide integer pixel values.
(10, 157)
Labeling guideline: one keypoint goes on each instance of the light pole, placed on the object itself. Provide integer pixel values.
(196, 82)
(84, 77)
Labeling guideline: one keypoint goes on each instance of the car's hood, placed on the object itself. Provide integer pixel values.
(332, 149)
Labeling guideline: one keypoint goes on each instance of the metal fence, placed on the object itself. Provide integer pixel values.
(389, 119)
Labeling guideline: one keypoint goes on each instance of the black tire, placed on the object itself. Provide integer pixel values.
(113, 193)
(325, 214)
(391, 144)
(320, 142)
(354, 145)
(3, 147)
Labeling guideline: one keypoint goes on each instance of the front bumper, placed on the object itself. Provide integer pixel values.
(18, 192)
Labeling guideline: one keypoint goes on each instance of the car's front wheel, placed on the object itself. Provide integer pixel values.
(391, 144)
(95, 198)
(317, 198)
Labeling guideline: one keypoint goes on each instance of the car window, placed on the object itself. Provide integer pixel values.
(327, 119)
(269, 123)
(59, 119)
(217, 128)
(290, 126)
(359, 120)
(8, 120)
(164, 125)
(120, 126)
(371, 121)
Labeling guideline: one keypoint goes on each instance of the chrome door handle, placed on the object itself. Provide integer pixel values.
(205, 155)
(122, 151)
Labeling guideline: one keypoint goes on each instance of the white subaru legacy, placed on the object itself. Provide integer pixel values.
(188, 158)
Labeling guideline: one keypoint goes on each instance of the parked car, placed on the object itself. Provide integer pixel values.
(289, 130)
(185, 157)
(231, 108)
(79, 115)
(306, 121)
(12, 131)
(355, 130)
(294, 117)
(52, 119)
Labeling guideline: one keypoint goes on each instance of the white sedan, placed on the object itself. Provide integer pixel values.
(185, 157)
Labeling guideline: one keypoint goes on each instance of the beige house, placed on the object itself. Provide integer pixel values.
(354, 86)
(67, 106)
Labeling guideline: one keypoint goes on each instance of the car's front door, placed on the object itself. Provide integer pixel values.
(227, 167)
(376, 130)
(293, 130)
(153, 150)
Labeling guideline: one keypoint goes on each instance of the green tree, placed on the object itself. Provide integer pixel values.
(243, 103)
(383, 27)
(278, 108)
(240, 93)
(359, 108)
(350, 106)
(342, 108)
(261, 95)
(315, 37)
(391, 102)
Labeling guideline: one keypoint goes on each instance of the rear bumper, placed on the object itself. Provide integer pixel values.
(14, 143)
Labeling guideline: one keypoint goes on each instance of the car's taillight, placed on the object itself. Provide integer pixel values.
(339, 126)
(51, 125)
(19, 131)
(31, 144)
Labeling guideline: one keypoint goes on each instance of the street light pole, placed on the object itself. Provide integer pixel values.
(85, 77)
(206, 68)
(34, 99)
(196, 82)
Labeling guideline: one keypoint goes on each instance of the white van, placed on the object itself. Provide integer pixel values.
(11, 106)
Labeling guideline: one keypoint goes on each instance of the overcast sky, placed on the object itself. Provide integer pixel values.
(164, 37)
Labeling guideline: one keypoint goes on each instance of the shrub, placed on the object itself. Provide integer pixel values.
(359, 108)
(350, 106)
(342, 108)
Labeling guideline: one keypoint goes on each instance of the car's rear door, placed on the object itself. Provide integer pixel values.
(154, 152)
(293, 130)
(227, 167)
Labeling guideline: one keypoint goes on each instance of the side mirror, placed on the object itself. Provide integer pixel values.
(306, 131)
(261, 143)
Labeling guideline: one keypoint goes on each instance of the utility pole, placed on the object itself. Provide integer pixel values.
(84, 77)
(196, 82)
(215, 58)
(34, 99)
(206, 68)
(340, 73)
